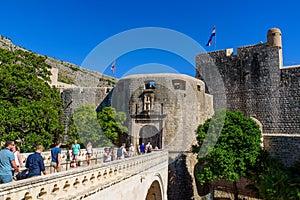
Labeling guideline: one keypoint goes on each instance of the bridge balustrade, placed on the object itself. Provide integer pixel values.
(80, 182)
(66, 160)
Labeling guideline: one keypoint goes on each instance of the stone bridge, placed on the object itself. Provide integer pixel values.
(138, 177)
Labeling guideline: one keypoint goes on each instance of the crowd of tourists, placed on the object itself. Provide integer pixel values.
(142, 149)
(11, 163)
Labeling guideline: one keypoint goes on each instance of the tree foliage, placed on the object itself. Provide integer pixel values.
(112, 122)
(274, 181)
(235, 153)
(85, 127)
(30, 110)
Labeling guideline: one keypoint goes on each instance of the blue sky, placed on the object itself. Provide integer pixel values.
(70, 30)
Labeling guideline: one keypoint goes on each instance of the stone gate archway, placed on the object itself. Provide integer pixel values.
(149, 133)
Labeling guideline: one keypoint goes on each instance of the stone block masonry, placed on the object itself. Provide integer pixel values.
(76, 97)
(257, 84)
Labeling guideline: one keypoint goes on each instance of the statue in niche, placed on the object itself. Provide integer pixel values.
(148, 102)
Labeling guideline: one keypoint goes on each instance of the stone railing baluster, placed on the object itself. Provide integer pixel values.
(82, 181)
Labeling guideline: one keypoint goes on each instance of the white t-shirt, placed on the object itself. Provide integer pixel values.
(89, 149)
(106, 157)
(16, 158)
(123, 153)
(131, 150)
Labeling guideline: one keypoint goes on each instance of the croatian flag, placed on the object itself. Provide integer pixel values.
(113, 66)
(213, 33)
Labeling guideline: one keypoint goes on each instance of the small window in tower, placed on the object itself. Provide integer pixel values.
(150, 85)
(273, 33)
(176, 86)
(199, 87)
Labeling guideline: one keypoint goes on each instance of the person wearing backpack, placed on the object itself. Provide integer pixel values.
(122, 153)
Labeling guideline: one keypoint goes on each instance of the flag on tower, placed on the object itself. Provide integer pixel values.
(213, 34)
(113, 66)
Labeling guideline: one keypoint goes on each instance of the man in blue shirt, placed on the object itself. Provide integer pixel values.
(142, 148)
(7, 162)
(35, 163)
(55, 157)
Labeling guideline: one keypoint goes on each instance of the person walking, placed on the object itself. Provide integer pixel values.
(142, 148)
(131, 150)
(35, 163)
(7, 162)
(122, 153)
(76, 150)
(55, 158)
(89, 153)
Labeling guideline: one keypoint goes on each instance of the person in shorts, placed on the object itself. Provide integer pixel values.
(89, 153)
(55, 158)
(121, 152)
(76, 150)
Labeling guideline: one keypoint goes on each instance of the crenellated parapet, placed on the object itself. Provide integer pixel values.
(257, 83)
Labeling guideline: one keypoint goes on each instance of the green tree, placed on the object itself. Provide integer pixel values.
(30, 110)
(112, 122)
(235, 153)
(274, 181)
(85, 127)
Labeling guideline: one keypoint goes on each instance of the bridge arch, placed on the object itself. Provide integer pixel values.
(154, 192)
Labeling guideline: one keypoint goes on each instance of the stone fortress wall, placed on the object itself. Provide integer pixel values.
(166, 110)
(78, 86)
(258, 84)
(255, 82)
(176, 104)
(66, 74)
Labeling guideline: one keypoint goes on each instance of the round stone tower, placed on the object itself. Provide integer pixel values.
(274, 40)
(274, 37)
